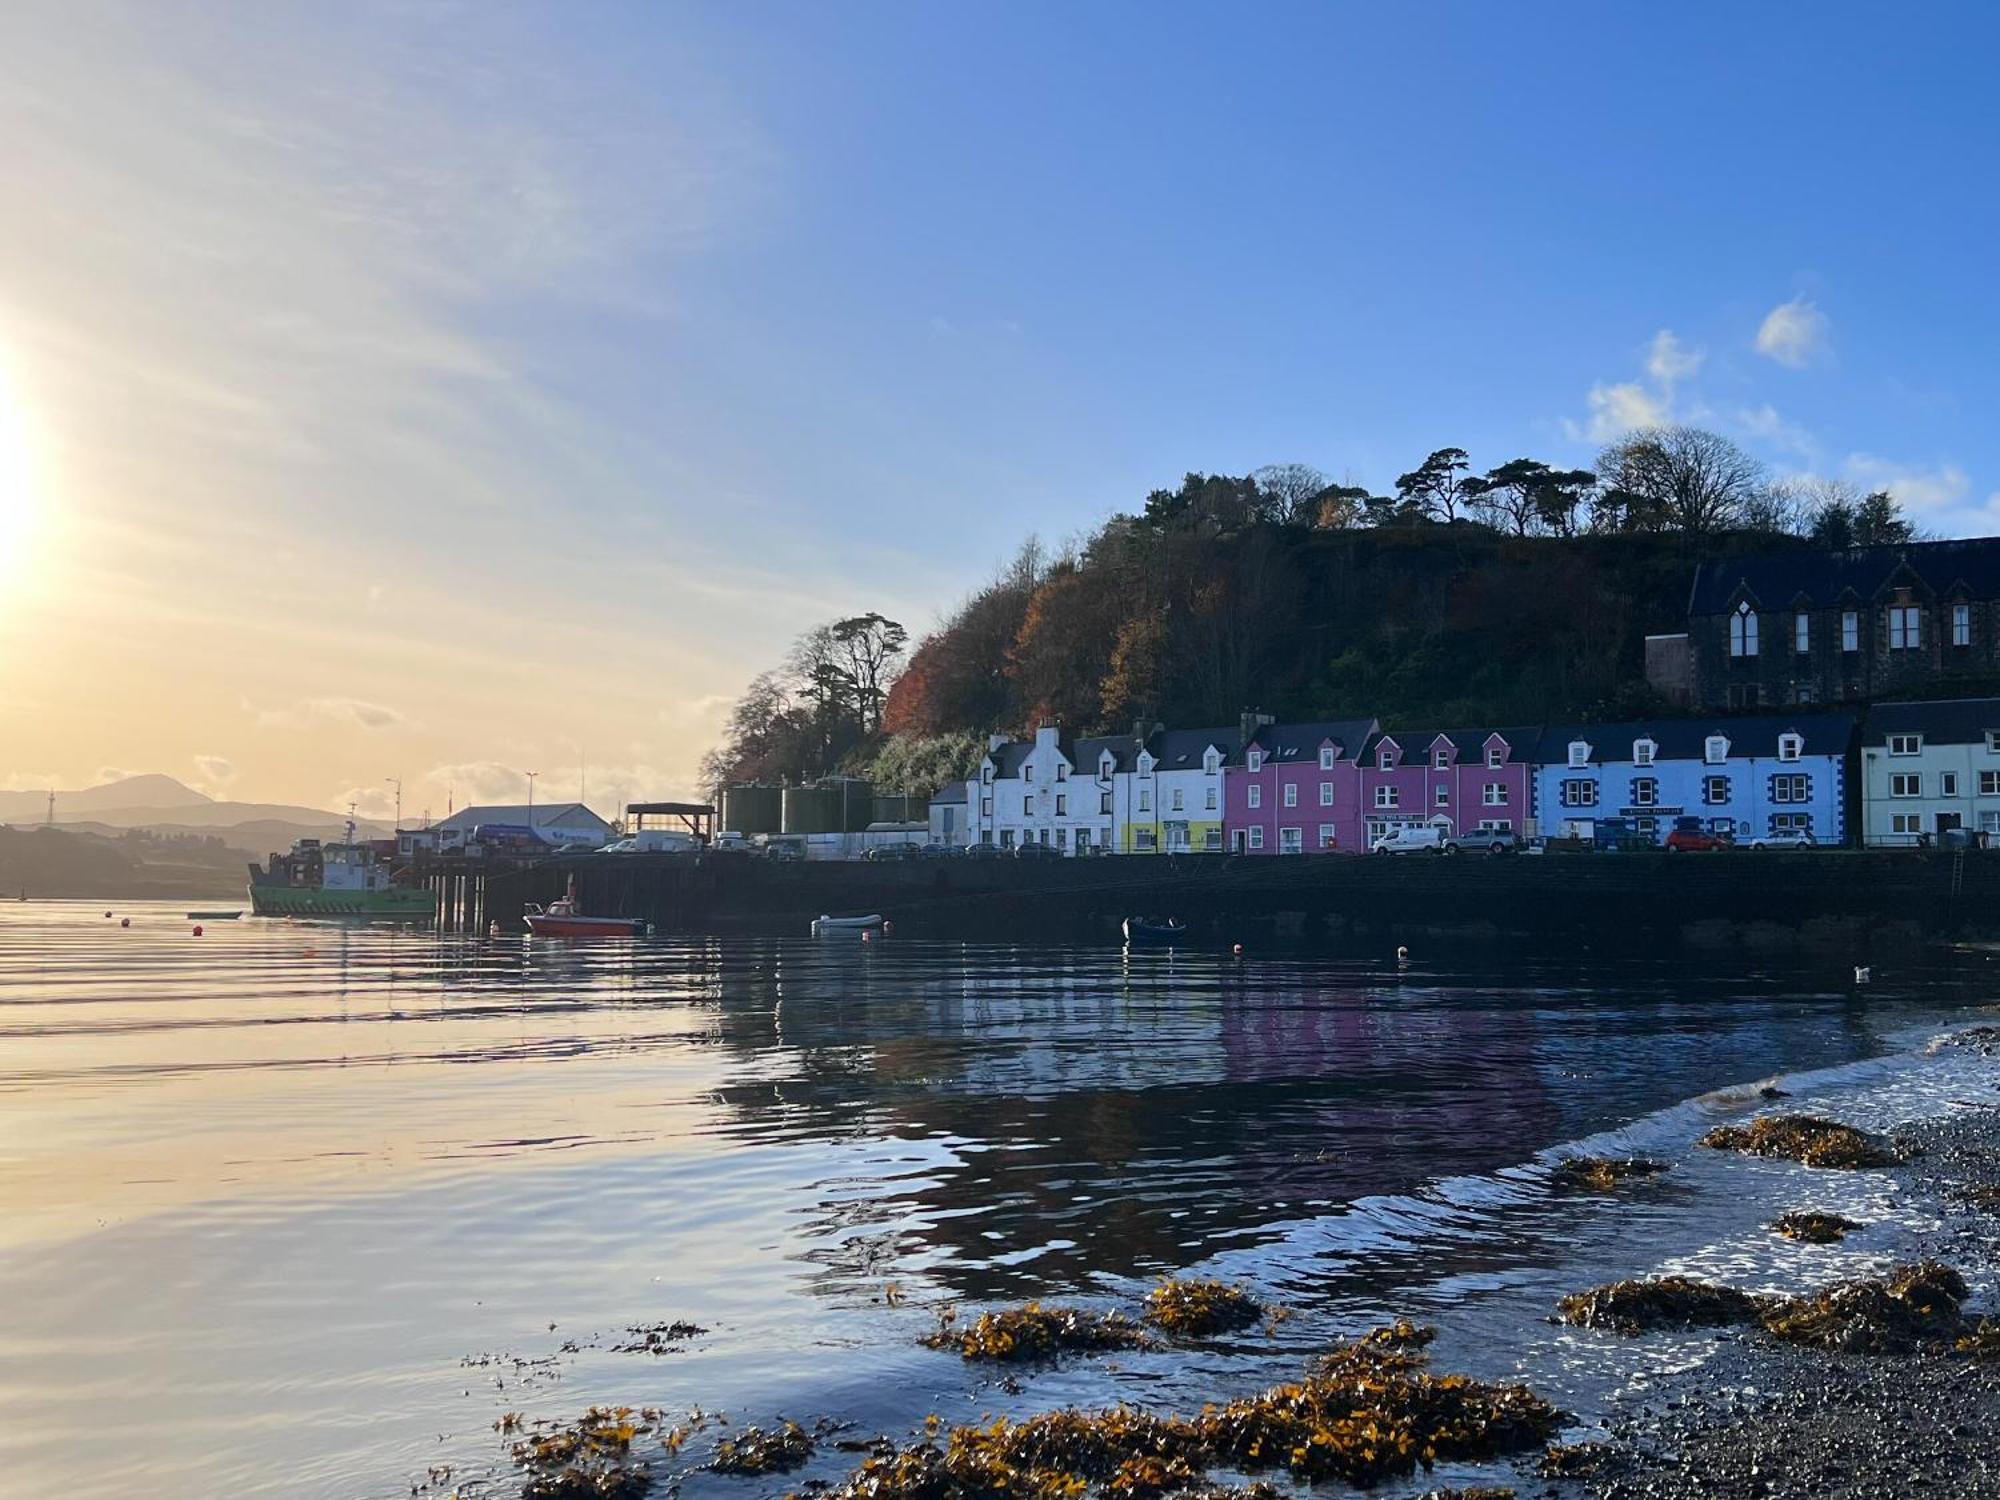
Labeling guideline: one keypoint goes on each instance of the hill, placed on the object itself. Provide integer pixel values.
(126, 791)
(53, 863)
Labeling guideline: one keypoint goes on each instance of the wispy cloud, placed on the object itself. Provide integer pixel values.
(1669, 360)
(1617, 408)
(355, 713)
(1933, 493)
(214, 773)
(1795, 334)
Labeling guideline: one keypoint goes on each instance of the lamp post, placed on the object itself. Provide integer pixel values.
(397, 783)
(531, 775)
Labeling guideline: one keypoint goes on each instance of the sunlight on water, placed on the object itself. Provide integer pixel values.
(308, 1207)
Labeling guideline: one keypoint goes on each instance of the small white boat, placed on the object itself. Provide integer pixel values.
(824, 924)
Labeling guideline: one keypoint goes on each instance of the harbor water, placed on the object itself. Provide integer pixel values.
(306, 1209)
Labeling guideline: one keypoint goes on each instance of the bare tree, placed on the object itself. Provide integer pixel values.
(1694, 480)
(1291, 492)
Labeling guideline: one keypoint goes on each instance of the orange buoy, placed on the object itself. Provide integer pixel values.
(1237, 949)
(126, 922)
(197, 929)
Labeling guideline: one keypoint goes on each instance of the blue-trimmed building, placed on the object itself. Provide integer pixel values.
(1752, 778)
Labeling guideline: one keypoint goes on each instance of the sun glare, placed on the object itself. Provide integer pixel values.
(19, 500)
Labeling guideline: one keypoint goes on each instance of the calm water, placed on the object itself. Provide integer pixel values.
(301, 1210)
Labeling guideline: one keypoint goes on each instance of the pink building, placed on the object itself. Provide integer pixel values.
(1457, 780)
(1296, 789)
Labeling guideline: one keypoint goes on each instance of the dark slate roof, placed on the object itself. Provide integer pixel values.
(1286, 743)
(1469, 743)
(1775, 579)
(1181, 749)
(1007, 759)
(1089, 750)
(1944, 721)
(1682, 739)
(951, 791)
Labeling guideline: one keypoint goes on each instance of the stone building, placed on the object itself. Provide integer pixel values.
(1848, 626)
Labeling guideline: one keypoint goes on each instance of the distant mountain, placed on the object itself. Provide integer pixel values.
(253, 838)
(128, 791)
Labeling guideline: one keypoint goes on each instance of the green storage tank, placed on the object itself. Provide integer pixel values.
(810, 809)
(854, 802)
(895, 807)
(752, 808)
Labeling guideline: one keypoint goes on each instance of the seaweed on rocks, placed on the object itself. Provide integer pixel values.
(1803, 1138)
(753, 1450)
(1812, 1228)
(1401, 1334)
(1370, 1411)
(588, 1459)
(657, 1338)
(1639, 1306)
(1603, 1174)
(1575, 1460)
(1912, 1307)
(1982, 1341)
(1200, 1308)
(1477, 1492)
(1032, 1331)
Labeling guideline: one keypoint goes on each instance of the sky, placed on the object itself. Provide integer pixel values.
(444, 391)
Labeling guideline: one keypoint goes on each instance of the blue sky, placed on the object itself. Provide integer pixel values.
(589, 353)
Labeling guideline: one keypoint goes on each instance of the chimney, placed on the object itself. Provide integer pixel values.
(1141, 732)
(1250, 721)
(994, 742)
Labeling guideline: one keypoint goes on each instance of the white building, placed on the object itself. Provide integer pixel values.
(557, 822)
(1042, 791)
(1930, 768)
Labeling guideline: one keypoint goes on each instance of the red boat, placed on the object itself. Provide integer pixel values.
(562, 919)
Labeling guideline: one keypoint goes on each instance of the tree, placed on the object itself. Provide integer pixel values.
(1290, 493)
(1692, 480)
(1340, 506)
(1436, 487)
(1526, 493)
(1880, 522)
(868, 645)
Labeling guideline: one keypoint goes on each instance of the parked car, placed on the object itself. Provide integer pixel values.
(1038, 851)
(1796, 840)
(620, 846)
(884, 853)
(940, 851)
(785, 853)
(984, 850)
(1421, 839)
(1692, 836)
(1483, 841)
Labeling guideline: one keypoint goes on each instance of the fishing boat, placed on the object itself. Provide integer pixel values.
(349, 878)
(561, 918)
(1143, 930)
(824, 926)
(215, 916)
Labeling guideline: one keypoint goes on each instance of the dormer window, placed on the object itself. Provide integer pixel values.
(1145, 765)
(1441, 758)
(1385, 758)
(1715, 749)
(1062, 771)
(1210, 761)
(1327, 755)
(986, 775)
(1743, 631)
(1255, 760)
(1906, 744)
(1496, 757)
(1791, 746)
(1579, 754)
(1104, 765)
(1642, 752)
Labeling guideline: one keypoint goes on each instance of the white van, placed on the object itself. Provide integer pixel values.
(1413, 839)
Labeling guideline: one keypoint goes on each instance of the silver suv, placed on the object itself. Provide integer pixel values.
(1483, 841)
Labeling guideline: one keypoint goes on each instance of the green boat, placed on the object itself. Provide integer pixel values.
(345, 879)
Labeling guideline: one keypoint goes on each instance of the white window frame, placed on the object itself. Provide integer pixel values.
(1579, 754)
(1328, 837)
(1906, 822)
(1254, 761)
(1385, 758)
(1326, 794)
(1645, 791)
(1791, 746)
(1743, 632)
(1210, 802)
(1145, 800)
(1989, 783)
(1947, 783)
(1793, 787)
(1256, 835)
(1643, 752)
(1906, 744)
(1291, 794)
(1961, 624)
(1906, 784)
(1578, 791)
(1715, 749)
(1441, 758)
(1906, 627)
(1387, 797)
(1494, 794)
(1291, 841)
(1441, 796)
(1256, 796)
(1710, 785)
(1496, 757)
(1180, 800)
(1327, 756)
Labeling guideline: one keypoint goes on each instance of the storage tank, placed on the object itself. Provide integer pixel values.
(854, 802)
(810, 809)
(894, 807)
(752, 808)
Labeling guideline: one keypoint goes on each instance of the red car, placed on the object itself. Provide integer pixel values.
(1688, 836)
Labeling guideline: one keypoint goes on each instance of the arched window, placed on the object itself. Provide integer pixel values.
(1743, 631)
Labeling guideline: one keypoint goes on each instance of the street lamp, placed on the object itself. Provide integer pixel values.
(531, 775)
(397, 783)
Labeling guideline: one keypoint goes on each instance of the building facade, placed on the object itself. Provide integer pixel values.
(1295, 788)
(1172, 799)
(557, 822)
(1043, 791)
(1456, 780)
(1930, 768)
(1803, 627)
(1749, 778)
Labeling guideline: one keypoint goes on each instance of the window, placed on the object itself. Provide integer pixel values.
(1104, 837)
(1802, 632)
(1947, 783)
(1578, 792)
(1714, 790)
(1496, 757)
(986, 775)
(1180, 800)
(1791, 788)
(1989, 822)
(1062, 804)
(1804, 692)
(985, 807)
(1642, 752)
(1146, 800)
(1027, 771)
(1441, 758)
(1850, 630)
(1104, 802)
(1326, 794)
(1254, 761)
(1906, 744)
(1209, 801)
(1062, 771)
(1961, 624)
(1993, 742)
(1146, 841)
(1028, 805)
(1715, 749)
(1105, 766)
(1906, 822)
(1291, 841)
(1256, 837)
(1792, 823)
(1062, 838)
(1385, 758)
(1494, 794)
(1496, 825)
(1211, 840)
(1906, 785)
(1791, 746)
(1905, 627)
(1006, 838)
(1209, 762)
(1291, 794)
(1989, 783)
(1083, 838)
(1327, 837)
(1645, 792)
(1442, 798)
(1579, 754)
(1743, 632)
(1256, 796)
(1326, 757)
(1386, 796)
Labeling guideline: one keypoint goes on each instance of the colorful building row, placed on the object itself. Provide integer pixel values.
(1909, 774)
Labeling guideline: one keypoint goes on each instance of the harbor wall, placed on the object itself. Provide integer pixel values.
(1836, 900)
